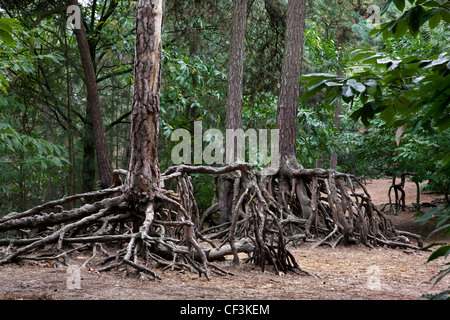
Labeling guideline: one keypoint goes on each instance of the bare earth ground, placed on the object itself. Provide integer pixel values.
(355, 272)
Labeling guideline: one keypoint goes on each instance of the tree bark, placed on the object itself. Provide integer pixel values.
(337, 123)
(70, 147)
(289, 95)
(337, 110)
(290, 88)
(234, 100)
(143, 177)
(103, 161)
(236, 65)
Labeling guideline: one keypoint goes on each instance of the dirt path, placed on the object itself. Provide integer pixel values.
(355, 272)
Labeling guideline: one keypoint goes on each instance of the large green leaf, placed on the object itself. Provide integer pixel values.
(385, 6)
(313, 78)
(347, 92)
(400, 4)
(400, 29)
(445, 163)
(445, 14)
(7, 26)
(443, 124)
(434, 21)
(361, 54)
(443, 251)
(415, 20)
(388, 115)
(6, 38)
(312, 90)
(356, 85)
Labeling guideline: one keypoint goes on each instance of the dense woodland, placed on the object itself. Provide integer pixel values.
(370, 101)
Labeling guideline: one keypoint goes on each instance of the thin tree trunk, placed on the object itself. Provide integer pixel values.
(319, 162)
(337, 122)
(70, 171)
(144, 174)
(234, 101)
(103, 161)
(337, 110)
(88, 170)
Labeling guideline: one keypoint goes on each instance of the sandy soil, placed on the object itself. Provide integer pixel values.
(355, 272)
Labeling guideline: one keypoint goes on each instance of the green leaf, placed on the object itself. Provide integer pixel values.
(432, 245)
(433, 4)
(444, 295)
(371, 59)
(356, 85)
(316, 77)
(393, 64)
(400, 28)
(388, 115)
(331, 93)
(400, 4)
(414, 20)
(443, 251)
(360, 55)
(5, 27)
(434, 21)
(312, 90)
(385, 6)
(443, 124)
(347, 91)
(333, 84)
(364, 97)
(374, 91)
(12, 22)
(371, 83)
(365, 113)
(437, 62)
(444, 227)
(445, 15)
(445, 163)
(384, 60)
(7, 38)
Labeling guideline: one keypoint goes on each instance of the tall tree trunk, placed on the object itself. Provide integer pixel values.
(88, 170)
(319, 162)
(337, 122)
(337, 110)
(288, 99)
(290, 87)
(234, 100)
(70, 147)
(144, 175)
(103, 161)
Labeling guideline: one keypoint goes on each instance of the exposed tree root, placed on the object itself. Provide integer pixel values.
(399, 204)
(266, 216)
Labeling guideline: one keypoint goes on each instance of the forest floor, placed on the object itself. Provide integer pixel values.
(355, 272)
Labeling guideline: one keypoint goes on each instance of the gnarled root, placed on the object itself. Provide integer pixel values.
(268, 212)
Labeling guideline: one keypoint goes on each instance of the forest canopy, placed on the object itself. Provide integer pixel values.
(40, 84)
